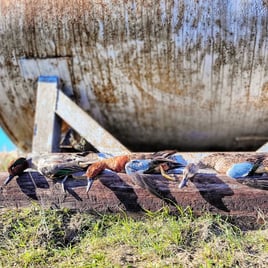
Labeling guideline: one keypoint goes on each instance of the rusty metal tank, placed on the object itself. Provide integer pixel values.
(191, 75)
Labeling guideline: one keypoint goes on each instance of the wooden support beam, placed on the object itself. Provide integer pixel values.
(87, 127)
(263, 148)
(51, 104)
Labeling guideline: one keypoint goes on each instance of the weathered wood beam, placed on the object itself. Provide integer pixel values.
(46, 135)
(263, 148)
(116, 192)
(51, 105)
(87, 127)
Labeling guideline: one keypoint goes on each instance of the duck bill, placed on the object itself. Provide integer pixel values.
(183, 182)
(89, 184)
(8, 179)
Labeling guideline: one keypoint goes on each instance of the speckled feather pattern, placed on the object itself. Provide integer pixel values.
(222, 162)
(58, 165)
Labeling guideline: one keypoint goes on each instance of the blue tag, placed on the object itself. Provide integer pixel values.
(48, 79)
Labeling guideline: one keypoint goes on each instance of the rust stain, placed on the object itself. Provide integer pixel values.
(199, 56)
(149, 101)
(265, 3)
(264, 93)
(105, 93)
(262, 100)
(11, 97)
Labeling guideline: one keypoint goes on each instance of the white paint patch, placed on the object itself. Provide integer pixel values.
(33, 68)
(126, 20)
(175, 14)
(133, 6)
(163, 11)
(101, 29)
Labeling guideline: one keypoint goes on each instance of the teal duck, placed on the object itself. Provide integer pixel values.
(156, 163)
(237, 165)
(54, 165)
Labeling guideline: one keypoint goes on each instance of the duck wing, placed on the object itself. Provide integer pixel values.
(62, 164)
(154, 165)
(258, 183)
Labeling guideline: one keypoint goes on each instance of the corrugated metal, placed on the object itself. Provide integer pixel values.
(190, 75)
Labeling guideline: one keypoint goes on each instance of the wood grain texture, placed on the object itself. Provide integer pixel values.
(117, 192)
(87, 127)
(46, 124)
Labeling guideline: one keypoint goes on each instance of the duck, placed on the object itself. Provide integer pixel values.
(54, 165)
(159, 162)
(236, 165)
(259, 183)
(188, 173)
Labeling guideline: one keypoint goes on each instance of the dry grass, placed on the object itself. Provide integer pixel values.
(6, 158)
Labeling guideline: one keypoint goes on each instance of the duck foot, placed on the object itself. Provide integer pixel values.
(165, 175)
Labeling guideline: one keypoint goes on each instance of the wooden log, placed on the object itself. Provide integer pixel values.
(112, 192)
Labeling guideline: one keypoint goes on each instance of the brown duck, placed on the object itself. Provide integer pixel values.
(236, 165)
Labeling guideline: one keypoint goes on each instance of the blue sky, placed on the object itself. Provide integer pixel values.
(6, 144)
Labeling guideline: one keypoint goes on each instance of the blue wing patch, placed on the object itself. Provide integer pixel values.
(104, 155)
(240, 170)
(179, 159)
(137, 166)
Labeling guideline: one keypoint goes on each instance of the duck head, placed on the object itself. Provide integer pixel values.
(16, 168)
(188, 173)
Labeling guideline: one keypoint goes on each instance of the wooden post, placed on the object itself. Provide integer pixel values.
(46, 124)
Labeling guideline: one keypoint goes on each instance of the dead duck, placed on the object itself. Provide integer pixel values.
(159, 162)
(233, 165)
(53, 165)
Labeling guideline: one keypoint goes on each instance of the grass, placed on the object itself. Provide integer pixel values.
(38, 237)
(35, 237)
